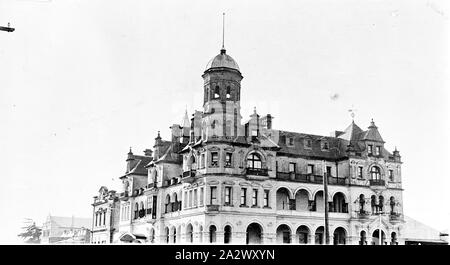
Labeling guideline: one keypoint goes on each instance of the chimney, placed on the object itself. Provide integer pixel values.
(148, 152)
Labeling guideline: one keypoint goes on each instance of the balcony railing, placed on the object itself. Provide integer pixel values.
(377, 182)
(188, 174)
(212, 208)
(309, 178)
(393, 216)
(257, 171)
(363, 214)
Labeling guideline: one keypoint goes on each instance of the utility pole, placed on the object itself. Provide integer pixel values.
(325, 196)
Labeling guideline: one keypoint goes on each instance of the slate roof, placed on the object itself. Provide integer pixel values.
(138, 165)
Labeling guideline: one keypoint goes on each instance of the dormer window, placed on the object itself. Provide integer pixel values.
(291, 141)
(378, 150)
(369, 149)
(308, 143)
(325, 145)
(216, 92)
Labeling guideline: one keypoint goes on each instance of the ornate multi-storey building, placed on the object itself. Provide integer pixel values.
(225, 181)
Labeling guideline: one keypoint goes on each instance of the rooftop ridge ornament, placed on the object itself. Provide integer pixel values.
(352, 111)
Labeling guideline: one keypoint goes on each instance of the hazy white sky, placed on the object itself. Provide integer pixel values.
(83, 80)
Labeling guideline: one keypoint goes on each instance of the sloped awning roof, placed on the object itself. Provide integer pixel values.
(132, 238)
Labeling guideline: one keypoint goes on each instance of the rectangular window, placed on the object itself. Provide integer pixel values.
(291, 167)
(391, 175)
(214, 159)
(202, 161)
(328, 171)
(360, 172)
(255, 197)
(254, 133)
(213, 200)
(325, 146)
(244, 196)
(228, 159)
(201, 196)
(369, 149)
(190, 198)
(185, 199)
(310, 169)
(378, 150)
(227, 195)
(266, 198)
(291, 141)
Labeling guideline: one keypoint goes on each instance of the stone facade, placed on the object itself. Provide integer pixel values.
(221, 180)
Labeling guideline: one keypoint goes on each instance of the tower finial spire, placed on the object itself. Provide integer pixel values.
(223, 31)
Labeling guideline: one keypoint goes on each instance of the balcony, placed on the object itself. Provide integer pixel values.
(188, 176)
(361, 214)
(257, 171)
(212, 208)
(377, 182)
(309, 178)
(393, 217)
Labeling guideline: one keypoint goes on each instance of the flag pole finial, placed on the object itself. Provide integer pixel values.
(223, 33)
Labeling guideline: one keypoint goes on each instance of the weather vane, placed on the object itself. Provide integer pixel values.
(352, 111)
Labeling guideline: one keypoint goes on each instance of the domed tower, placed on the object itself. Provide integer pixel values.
(221, 104)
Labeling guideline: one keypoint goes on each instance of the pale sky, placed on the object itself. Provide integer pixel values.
(83, 80)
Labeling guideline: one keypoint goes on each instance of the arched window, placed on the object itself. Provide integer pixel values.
(228, 92)
(167, 235)
(254, 161)
(375, 173)
(394, 238)
(174, 202)
(216, 92)
(228, 128)
(136, 211)
(104, 218)
(96, 219)
(227, 234)
(167, 203)
(363, 240)
(212, 234)
(189, 233)
(200, 230)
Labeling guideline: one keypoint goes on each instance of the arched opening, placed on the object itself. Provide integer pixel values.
(136, 211)
(212, 234)
(362, 238)
(394, 238)
(167, 204)
(216, 92)
(392, 204)
(339, 236)
(302, 200)
(189, 233)
(254, 234)
(283, 199)
(303, 234)
(167, 235)
(318, 202)
(151, 237)
(362, 202)
(254, 161)
(339, 204)
(376, 237)
(380, 203)
(174, 235)
(227, 234)
(375, 173)
(283, 234)
(373, 204)
(200, 231)
(319, 236)
(228, 92)
(174, 203)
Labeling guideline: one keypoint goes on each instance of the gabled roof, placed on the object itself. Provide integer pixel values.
(138, 168)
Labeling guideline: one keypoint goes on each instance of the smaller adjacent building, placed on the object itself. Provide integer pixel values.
(105, 222)
(66, 230)
(416, 233)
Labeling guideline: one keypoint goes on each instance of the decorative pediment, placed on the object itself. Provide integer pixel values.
(228, 182)
(213, 148)
(229, 149)
(213, 182)
(245, 183)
